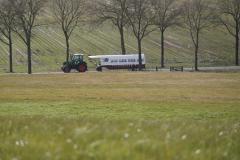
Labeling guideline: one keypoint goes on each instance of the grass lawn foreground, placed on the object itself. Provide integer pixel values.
(120, 116)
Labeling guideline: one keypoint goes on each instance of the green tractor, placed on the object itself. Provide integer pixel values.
(76, 62)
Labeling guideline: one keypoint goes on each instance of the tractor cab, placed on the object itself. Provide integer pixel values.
(76, 62)
(77, 57)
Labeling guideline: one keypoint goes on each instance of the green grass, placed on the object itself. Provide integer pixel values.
(167, 116)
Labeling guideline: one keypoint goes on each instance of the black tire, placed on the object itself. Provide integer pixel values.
(66, 69)
(99, 69)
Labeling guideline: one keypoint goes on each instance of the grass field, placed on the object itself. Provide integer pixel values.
(135, 116)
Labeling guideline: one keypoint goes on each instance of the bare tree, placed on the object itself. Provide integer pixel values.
(114, 11)
(198, 16)
(26, 13)
(167, 15)
(140, 16)
(68, 14)
(7, 20)
(230, 18)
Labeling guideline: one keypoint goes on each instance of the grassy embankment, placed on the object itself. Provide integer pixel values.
(216, 49)
(120, 116)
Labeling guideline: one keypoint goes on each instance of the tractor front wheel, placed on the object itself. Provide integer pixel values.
(66, 69)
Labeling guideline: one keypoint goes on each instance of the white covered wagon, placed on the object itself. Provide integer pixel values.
(112, 62)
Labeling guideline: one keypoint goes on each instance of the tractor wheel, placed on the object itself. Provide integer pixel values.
(66, 69)
(82, 68)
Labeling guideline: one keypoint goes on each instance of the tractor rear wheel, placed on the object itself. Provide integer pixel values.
(82, 68)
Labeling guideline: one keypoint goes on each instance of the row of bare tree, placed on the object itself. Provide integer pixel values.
(146, 16)
(19, 16)
(141, 17)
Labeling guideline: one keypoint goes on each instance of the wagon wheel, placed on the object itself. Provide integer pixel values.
(99, 69)
(82, 68)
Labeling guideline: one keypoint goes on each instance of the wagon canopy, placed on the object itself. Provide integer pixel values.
(131, 59)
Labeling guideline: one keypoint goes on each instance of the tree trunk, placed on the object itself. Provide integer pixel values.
(29, 52)
(121, 30)
(10, 51)
(68, 47)
(162, 49)
(196, 44)
(196, 58)
(196, 52)
(140, 54)
(237, 45)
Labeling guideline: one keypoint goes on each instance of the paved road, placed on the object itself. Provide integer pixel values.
(230, 68)
(203, 69)
(207, 69)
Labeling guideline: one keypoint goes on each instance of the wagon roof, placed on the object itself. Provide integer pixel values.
(78, 54)
(113, 56)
